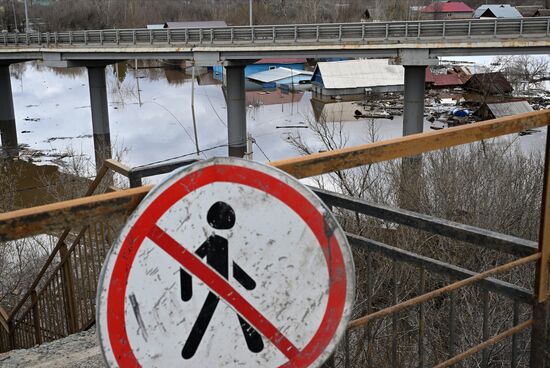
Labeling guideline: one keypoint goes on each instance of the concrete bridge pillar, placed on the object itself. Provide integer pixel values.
(8, 130)
(415, 63)
(236, 110)
(100, 113)
(413, 110)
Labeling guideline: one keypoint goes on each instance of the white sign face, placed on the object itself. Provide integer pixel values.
(226, 263)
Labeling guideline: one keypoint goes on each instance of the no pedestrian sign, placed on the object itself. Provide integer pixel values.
(226, 263)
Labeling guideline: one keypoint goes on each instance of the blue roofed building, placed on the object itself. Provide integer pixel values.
(265, 64)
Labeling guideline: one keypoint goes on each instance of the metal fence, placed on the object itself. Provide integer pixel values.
(461, 30)
(410, 310)
(390, 332)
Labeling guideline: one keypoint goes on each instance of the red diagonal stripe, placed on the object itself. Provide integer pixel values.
(223, 289)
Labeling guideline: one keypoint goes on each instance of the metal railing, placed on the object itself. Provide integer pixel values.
(391, 330)
(61, 299)
(457, 30)
(407, 309)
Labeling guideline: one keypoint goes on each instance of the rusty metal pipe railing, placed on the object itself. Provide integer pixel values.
(438, 292)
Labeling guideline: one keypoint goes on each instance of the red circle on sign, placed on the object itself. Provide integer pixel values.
(296, 201)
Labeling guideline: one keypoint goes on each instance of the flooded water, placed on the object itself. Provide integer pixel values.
(150, 115)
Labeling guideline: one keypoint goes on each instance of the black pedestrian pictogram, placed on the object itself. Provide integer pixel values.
(221, 217)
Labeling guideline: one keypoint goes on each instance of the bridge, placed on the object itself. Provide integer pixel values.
(413, 44)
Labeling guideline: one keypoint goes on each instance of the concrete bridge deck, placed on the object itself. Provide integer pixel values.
(414, 44)
(208, 46)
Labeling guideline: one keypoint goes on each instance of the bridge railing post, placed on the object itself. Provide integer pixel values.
(539, 331)
(68, 290)
(521, 27)
(11, 335)
(36, 318)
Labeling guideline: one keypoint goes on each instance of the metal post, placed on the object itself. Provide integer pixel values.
(193, 109)
(539, 331)
(26, 18)
(100, 114)
(413, 113)
(36, 318)
(11, 335)
(236, 110)
(68, 290)
(250, 12)
(413, 122)
(8, 130)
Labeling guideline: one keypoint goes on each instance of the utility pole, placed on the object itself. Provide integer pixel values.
(250, 12)
(16, 26)
(27, 29)
(193, 108)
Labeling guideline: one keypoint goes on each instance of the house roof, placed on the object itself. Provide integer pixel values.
(360, 73)
(528, 10)
(491, 83)
(429, 75)
(276, 74)
(202, 24)
(447, 80)
(542, 13)
(497, 11)
(281, 61)
(509, 108)
(447, 7)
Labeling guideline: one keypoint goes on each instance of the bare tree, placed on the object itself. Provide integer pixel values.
(525, 72)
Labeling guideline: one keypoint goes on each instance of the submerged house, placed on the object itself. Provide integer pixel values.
(265, 64)
(356, 77)
(281, 76)
(489, 84)
(497, 11)
(501, 109)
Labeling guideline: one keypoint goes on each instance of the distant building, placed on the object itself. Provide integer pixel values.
(275, 77)
(366, 17)
(356, 77)
(265, 64)
(447, 10)
(455, 77)
(528, 10)
(502, 109)
(497, 11)
(489, 84)
(447, 81)
(202, 24)
(542, 13)
(155, 26)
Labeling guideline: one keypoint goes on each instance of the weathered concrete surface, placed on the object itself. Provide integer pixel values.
(79, 350)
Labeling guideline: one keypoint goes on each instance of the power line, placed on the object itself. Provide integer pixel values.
(181, 156)
(261, 150)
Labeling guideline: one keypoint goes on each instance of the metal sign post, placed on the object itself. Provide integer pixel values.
(226, 263)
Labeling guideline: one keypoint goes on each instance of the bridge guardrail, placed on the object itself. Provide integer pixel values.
(302, 33)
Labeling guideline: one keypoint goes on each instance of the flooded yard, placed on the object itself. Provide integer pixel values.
(151, 119)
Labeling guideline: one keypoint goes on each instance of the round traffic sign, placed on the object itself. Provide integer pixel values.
(226, 263)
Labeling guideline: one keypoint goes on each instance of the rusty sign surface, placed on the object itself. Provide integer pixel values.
(226, 263)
